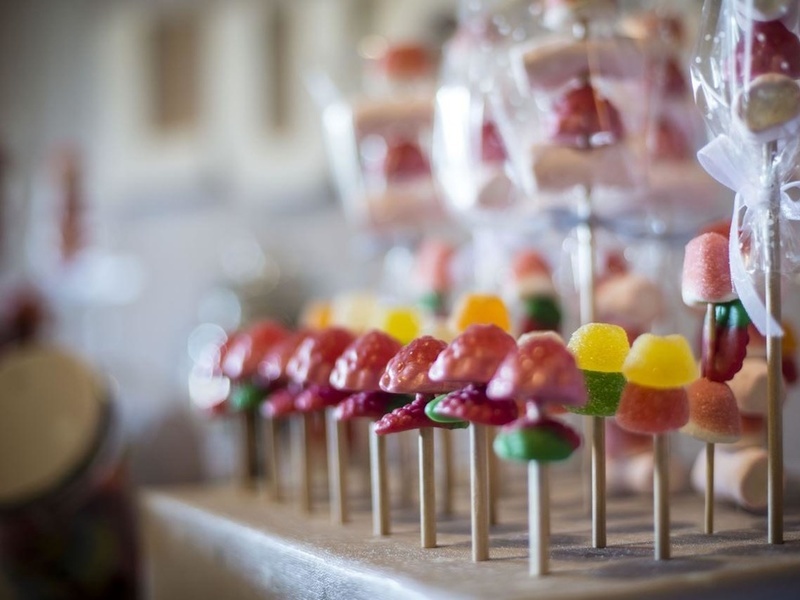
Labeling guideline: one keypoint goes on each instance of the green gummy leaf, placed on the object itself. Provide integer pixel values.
(541, 444)
(432, 302)
(246, 397)
(429, 408)
(604, 391)
(732, 315)
(544, 310)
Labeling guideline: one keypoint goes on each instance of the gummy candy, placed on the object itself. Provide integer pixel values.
(369, 405)
(471, 404)
(272, 367)
(316, 355)
(430, 412)
(713, 414)
(412, 416)
(407, 371)
(246, 397)
(279, 403)
(706, 271)
(355, 311)
(541, 439)
(604, 391)
(649, 410)
(402, 323)
(660, 362)
(316, 397)
(247, 348)
(473, 357)
(775, 49)
(482, 309)
(599, 347)
(730, 349)
(542, 313)
(360, 366)
(585, 119)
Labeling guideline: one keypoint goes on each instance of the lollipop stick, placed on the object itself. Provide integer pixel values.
(302, 440)
(249, 460)
(427, 489)
(711, 342)
(774, 358)
(446, 482)
(661, 496)
(276, 483)
(479, 492)
(709, 512)
(538, 517)
(405, 469)
(337, 467)
(380, 483)
(494, 466)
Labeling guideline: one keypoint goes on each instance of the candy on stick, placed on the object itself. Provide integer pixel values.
(532, 286)
(407, 373)
(748, 60)
(311, 366)
(358, 371)
(655, 402)
(432, 275)
(540, 371)
(473, 358)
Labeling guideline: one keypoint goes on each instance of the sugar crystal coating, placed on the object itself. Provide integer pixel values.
(604, 391)
(706, 271)
(713, 414)
(661, 362)
(473, 357)
(543, 439)
(360, 367)
(599, 347)
(649, 410)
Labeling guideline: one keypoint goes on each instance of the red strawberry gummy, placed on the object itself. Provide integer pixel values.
(585, 119)
(361, 365)
(404, 160)
(273, 364)
(313, 361)
(649, 410)
(279, 403)
(471, 404)
(492, 148)
(369, 405)
(407, 371)
(473, 357)
(775, 50)
(411, 416)
(316, 397)
(247, 348)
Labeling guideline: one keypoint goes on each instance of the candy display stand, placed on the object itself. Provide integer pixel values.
(220, 542)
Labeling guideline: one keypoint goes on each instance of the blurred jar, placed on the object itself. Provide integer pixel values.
(66, 513)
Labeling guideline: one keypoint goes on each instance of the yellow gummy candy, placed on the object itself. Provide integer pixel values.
(599, 347)
(402, 323)
(660, 362)
(483, 309)
(355, 311)
(316, 315)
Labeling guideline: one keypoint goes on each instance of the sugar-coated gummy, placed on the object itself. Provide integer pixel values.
(471, 404)
(412, 416)
(661, 362)
(707, 271)
(480, 309)
(542, 439)
(402, 323)
(407, 371)
(649, 410)
(543, 313)
(713, 414)
(599, 347)
(360, 366)
(604, 391)
(473, 356)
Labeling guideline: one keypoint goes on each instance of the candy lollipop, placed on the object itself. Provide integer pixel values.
(432, 275)
(472, 359)
(541, 371)
(532, 285)
(310, 367)
(745, 81)
(358, 371)
(655, 401)
(407, 373)
(239, 363)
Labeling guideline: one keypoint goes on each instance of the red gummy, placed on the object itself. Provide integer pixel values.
(272, 367)
(584, 119)
(361, 366)
(669, 142)
(279, 403)
(649, 410)
(728, 354)
(315, 398)
(472, 404)
(247, 348)
(404, 160)
(789, 369)
(473, 357)
(370, 405)
(407, 371)
(492, 148)
(406, 60)
(775, 49)
(408, 417)
(313, 361)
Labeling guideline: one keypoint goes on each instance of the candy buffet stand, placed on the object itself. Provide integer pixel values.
(223, 543)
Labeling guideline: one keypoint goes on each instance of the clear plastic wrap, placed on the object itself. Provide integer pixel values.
(745, 74)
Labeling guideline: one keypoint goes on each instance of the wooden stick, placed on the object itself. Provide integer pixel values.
(774, 351)
(711, 342)
(380, 483)
(249, 458)
(447, 477)
(598, 428)
(273, 459)
(479, 492)
(302, 424)
(494, 466)
(709, 507)
(405, 469)
(539, 518)
(661, 495)
(337, 467)
(427, 489)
